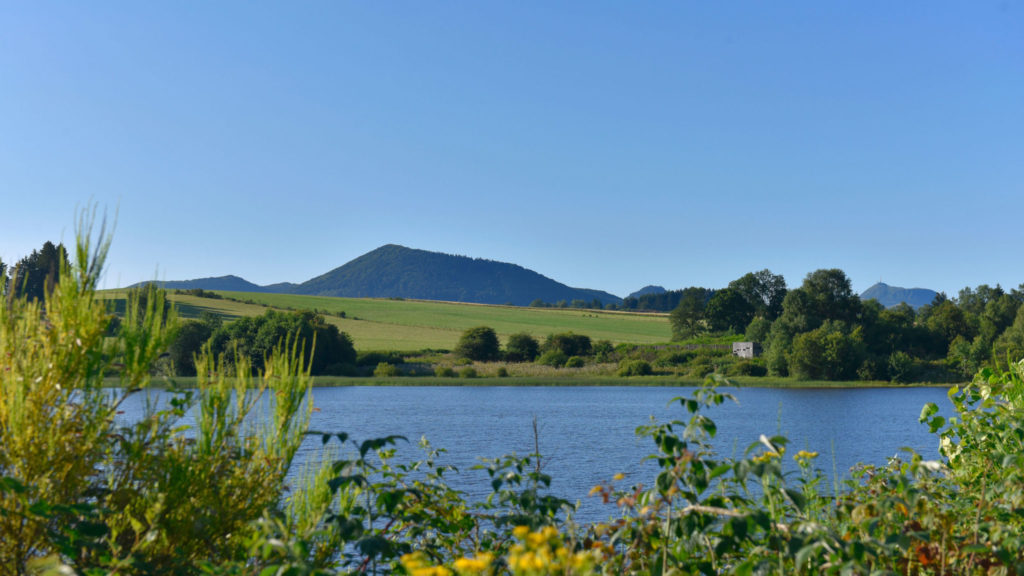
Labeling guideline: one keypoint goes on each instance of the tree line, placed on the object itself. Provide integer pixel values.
(823, 330)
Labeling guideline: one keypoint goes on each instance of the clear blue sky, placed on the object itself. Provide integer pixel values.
(608, 145)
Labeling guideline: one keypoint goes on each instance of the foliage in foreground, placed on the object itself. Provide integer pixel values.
(82, 492)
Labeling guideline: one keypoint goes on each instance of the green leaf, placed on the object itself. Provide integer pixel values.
(928, 409)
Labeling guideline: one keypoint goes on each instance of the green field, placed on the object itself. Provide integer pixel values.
(408, 325)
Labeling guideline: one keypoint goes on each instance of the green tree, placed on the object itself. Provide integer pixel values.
(35, 275)
(687, 318)
(763, 290)
(728, 310)
(188, 344)
(479, 344)
(829, 352)
(521, 347)
(326, 348)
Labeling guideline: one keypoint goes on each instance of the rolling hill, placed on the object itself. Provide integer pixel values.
(394, 271)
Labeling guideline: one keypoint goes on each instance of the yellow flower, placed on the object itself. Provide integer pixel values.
(418, 564)
(804, 455)
(478, 565)
(618, 476)
(520, 532)
(595, 490)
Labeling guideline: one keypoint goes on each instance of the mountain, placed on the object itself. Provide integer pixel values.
(232, 283)
(649, 289)
(890, 296)
(393, 271)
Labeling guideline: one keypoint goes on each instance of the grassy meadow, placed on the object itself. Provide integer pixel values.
(407, 325)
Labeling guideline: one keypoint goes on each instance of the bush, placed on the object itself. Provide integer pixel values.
(574, 362)
(502, 372)
(604, 351)
(385, 370)
(468, 372)
(901, 367)
(634, 368)
(444, 372)
(555, 358)
(701, 366)
(479, 344)
(82, 491)
(569, 344)
(375, 357)
(747, 367)
(675, 357)
(521, 347)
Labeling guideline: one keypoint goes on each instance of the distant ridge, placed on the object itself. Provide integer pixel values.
(649, 289)
(890, 296)
(229, 283)
(394, 271)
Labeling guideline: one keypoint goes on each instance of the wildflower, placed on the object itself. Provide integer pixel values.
(470, 566)
(418, 564)
(804, 456)
(766, 457)
(618, 476)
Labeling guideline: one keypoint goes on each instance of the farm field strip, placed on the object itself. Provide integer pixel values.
(406, 325)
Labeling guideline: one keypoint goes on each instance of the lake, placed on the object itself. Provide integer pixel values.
(586, 434)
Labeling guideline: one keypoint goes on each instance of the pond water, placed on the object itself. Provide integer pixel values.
(587, 434)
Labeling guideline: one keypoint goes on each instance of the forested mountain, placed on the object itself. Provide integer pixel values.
(393, 271)
(396, 271)
(649, 289)
(232, 283)
(890, 296)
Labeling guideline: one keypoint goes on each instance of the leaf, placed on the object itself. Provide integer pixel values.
(378, 443)
(797, 498)
(928, 409)
(373, 546)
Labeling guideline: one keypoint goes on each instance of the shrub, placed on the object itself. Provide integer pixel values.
(674, 357)
(747, 367)
(444, 372)
(468, 372)
(701, 366)
(385, 370)
(375, 357)
(85, 493)
(479, 344)
(604, 351)
(502, 372)
(634, 368)
(569, 344)
(521, 347)
(555, 358)
(574, 362)
(901, 366)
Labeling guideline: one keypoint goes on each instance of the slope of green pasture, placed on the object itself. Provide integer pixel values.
(415, 325)
(406, 325)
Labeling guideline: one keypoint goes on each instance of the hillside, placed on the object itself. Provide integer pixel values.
(230, 282)
(394, 271)
(889, 296)
(380, 324)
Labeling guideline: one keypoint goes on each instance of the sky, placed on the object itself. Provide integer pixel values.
(607, 145)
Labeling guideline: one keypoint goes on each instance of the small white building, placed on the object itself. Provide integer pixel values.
(746, 349)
